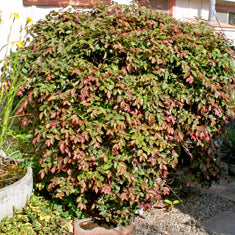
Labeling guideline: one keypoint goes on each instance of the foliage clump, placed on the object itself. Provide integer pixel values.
(115, 96)
(39, 216)
(228, 143)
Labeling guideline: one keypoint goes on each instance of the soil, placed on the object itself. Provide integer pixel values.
(9, 175)
(94, 224)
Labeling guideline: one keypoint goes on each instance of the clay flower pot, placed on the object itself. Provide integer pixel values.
(90, 227)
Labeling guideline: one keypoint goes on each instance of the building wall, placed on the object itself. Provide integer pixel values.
(222, 16)
(191, 8)
(17, 6)
(200, 8)
(225, 11)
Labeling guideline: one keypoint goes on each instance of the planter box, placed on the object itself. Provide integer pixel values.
(16, 194)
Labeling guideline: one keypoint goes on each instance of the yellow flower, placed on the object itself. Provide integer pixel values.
(1, 17)
(29, 20)
(18, 43)
(16, 15)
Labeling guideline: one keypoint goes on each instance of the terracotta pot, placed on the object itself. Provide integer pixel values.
(90, 227)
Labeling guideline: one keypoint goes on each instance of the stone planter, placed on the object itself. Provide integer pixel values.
(16, 194)
(89, 227)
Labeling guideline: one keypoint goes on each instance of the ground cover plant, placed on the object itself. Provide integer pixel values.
(116, 98)
(39, 216)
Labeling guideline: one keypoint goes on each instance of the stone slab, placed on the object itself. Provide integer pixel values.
(222, 224)
(229, 193)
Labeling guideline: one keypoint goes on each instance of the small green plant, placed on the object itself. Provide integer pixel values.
(39, 216)
(10, 82)
(171, 204)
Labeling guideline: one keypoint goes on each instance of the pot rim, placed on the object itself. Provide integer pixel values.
(28, 174)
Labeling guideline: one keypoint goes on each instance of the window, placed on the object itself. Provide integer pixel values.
(231, 19)
(162, 5)
(159, 4)
(226, 13)
(166, 6)
(227, 17)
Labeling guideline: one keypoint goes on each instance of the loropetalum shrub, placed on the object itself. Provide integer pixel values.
(114, 95)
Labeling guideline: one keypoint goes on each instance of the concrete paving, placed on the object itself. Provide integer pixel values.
(224, 223)
(225, 189)
(221, 224)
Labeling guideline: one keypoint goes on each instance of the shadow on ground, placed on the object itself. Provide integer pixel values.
(202, 212)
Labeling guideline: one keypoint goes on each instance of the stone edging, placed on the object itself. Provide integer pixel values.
(16, 194)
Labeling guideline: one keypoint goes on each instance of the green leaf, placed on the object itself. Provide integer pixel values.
(106, 166)
(168, 202)
(176, 202)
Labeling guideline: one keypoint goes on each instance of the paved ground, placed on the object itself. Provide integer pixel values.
(224, 223)
(226, 189)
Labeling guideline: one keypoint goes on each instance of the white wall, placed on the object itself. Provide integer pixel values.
(222, 16)
(191, 8)
(229, 33)
(186, 9)
(17, 6)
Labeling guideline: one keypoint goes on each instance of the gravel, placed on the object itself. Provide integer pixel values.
(185, 218)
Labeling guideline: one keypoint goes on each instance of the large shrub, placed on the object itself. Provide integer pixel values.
(113, 95)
